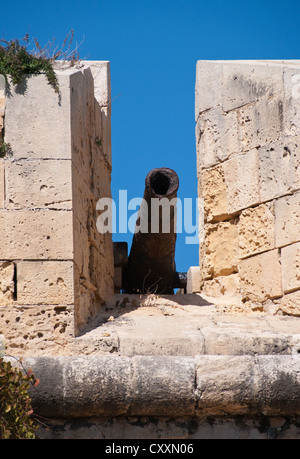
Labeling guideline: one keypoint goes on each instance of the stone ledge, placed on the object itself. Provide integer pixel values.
(91, 386)
(174, 325)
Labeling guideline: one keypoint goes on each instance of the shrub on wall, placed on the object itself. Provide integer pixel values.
(15, 403)
(17, 61)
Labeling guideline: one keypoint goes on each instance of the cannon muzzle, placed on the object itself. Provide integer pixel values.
(151, 262)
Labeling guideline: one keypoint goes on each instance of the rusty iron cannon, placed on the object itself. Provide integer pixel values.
(151, 262)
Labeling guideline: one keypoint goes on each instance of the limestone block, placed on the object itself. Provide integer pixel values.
(290, 304)
(42, 132)
(37, 329)
(7, 286)
(45, 282)
(101, 75)
(256, 230)
(36, 234)
(214, 193)
(261, 276)
(223, 288)
(287, 219)
(241, 175)
(100, 387)
(230, 187)
(248, 81)
(279, 166)
(193, 279)
(171, 381)
(290, 262)
(2, 183)
(38, 184)
(291, 81)
(221, 249)
(208, 92)
(236, 380)
(260, 123)
(216, 136)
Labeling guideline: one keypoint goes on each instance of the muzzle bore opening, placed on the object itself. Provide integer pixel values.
(160, 183)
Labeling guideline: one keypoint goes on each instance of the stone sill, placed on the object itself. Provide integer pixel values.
(173, 386)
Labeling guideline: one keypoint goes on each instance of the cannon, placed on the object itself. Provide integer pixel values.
(151, 262)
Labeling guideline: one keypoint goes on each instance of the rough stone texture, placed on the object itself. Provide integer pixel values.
(287, 218)
(214, 194)
(7, 285)
(261, 277)
(223, 288)
(58, 168)
(36, 234)
(217, 133)
(38, 184)
(45, 282)
(290, 304)
(256, 230)
(248, 156)
(241, 178)
(279, 168)
(221, 238)
(40, 133)
(37, 329)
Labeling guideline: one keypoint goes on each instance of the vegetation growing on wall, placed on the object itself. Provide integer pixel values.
(15, 403)
(17, 60)
(5, 148)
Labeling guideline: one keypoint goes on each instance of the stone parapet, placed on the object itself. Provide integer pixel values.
(248, 155)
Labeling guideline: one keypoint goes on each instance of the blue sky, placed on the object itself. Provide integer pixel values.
(153, 47)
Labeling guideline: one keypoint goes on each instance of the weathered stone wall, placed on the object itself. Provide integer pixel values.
(248, 165)
(58, 166)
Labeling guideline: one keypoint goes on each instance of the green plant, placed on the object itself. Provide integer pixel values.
(98, 141)
(4, 148)
(17, 61)
(15, 402)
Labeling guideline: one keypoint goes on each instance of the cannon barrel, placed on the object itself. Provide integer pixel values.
(151, 262)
